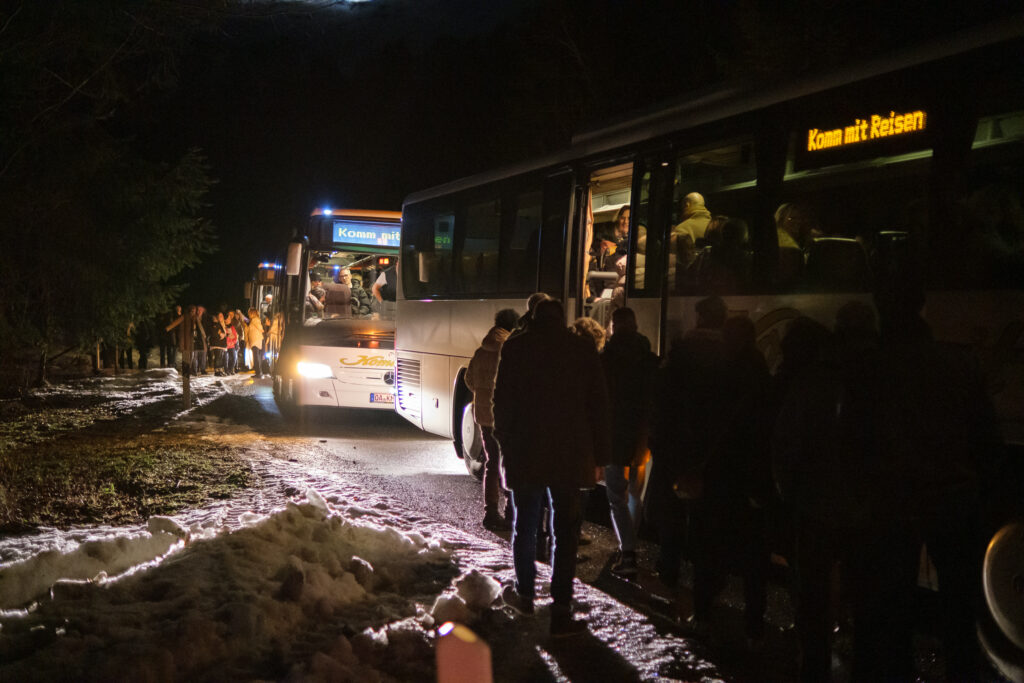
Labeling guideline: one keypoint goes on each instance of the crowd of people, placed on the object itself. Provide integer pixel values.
(870, 441)
(223, 342)
(220, 340)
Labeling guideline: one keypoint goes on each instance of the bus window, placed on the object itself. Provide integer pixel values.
(833, 222)
(519, 245)
(606, 241)
(476, 264)
(557, 191)
(427, 252)
(990, 252)
(713, 201)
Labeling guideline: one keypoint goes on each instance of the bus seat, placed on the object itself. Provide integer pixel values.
(838, 263)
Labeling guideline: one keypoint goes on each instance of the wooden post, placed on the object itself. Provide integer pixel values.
(187, 333)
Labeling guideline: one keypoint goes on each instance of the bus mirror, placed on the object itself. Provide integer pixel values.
(247, 295)
(293, 264)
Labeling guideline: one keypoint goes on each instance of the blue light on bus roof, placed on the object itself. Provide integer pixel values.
(327, 212)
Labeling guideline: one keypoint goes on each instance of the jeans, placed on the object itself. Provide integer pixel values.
(617, 488)
(198, 362)
(257, 360)
(218, 359)
(232, 360)
(564, 505)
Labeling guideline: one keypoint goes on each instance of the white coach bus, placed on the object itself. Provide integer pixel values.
(843, 179)
(333, 345)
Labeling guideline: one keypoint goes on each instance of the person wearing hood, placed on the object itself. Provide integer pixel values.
(480, 379)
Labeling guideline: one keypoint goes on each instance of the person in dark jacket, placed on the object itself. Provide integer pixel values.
(480, 379)
(690, 413)
(827, 469)
(941, 444)
(730, 519)
(551, 421)
(531, 304)
(629, 370)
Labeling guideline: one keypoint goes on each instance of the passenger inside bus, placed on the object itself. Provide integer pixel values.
(338, 303)
(607, 241)
(360, 299)
(724, 265)
(794, 228)
(688, 236)
(315, 297)
(611, 250)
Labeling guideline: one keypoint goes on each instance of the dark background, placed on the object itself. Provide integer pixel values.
(299, 105)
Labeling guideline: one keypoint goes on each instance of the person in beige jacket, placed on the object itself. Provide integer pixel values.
(254, 339)
(480, 379)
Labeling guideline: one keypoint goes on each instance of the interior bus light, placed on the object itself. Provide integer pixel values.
(314, 370)
(384, 261)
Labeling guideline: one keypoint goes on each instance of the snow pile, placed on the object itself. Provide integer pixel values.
(305, 593)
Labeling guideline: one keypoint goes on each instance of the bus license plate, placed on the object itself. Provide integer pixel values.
(382, 398)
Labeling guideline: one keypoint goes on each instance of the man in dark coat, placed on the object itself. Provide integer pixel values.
(551, 421)
(629, 370)
(690, 413)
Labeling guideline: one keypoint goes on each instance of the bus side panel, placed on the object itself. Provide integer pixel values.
(436, 394)
(771, 314)
(409, 386)
(991, 324)
(648, 319)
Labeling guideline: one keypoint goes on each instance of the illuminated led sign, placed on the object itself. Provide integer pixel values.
(366, 233)
(873, 127)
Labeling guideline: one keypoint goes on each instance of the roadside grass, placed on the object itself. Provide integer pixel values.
(112, 480)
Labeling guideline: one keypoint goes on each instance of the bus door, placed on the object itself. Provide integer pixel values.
(604, 229)
(650, 230)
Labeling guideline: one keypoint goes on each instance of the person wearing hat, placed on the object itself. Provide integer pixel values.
(315, 299)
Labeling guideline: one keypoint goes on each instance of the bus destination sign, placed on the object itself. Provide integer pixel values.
(366, 233)
(874, 127)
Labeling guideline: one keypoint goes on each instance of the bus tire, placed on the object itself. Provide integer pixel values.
(471, 442)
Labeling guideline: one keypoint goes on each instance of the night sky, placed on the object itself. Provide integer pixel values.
(360, 104)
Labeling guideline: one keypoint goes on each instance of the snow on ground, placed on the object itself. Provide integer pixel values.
(305, 576)
(262, 601)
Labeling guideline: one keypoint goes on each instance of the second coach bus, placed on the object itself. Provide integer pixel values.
(804, 195)
(333, 326)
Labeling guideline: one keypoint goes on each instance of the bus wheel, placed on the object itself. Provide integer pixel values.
(472, 443)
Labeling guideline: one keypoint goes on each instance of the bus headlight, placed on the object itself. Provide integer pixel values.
(314, 370)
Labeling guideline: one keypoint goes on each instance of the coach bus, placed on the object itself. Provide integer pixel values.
(262, 285)
(333, 341)
(911, 162)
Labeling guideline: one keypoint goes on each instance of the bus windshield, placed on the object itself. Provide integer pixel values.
(348, 285)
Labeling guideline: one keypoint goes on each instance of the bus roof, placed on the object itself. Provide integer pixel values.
(359, 213)
(721, 102)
